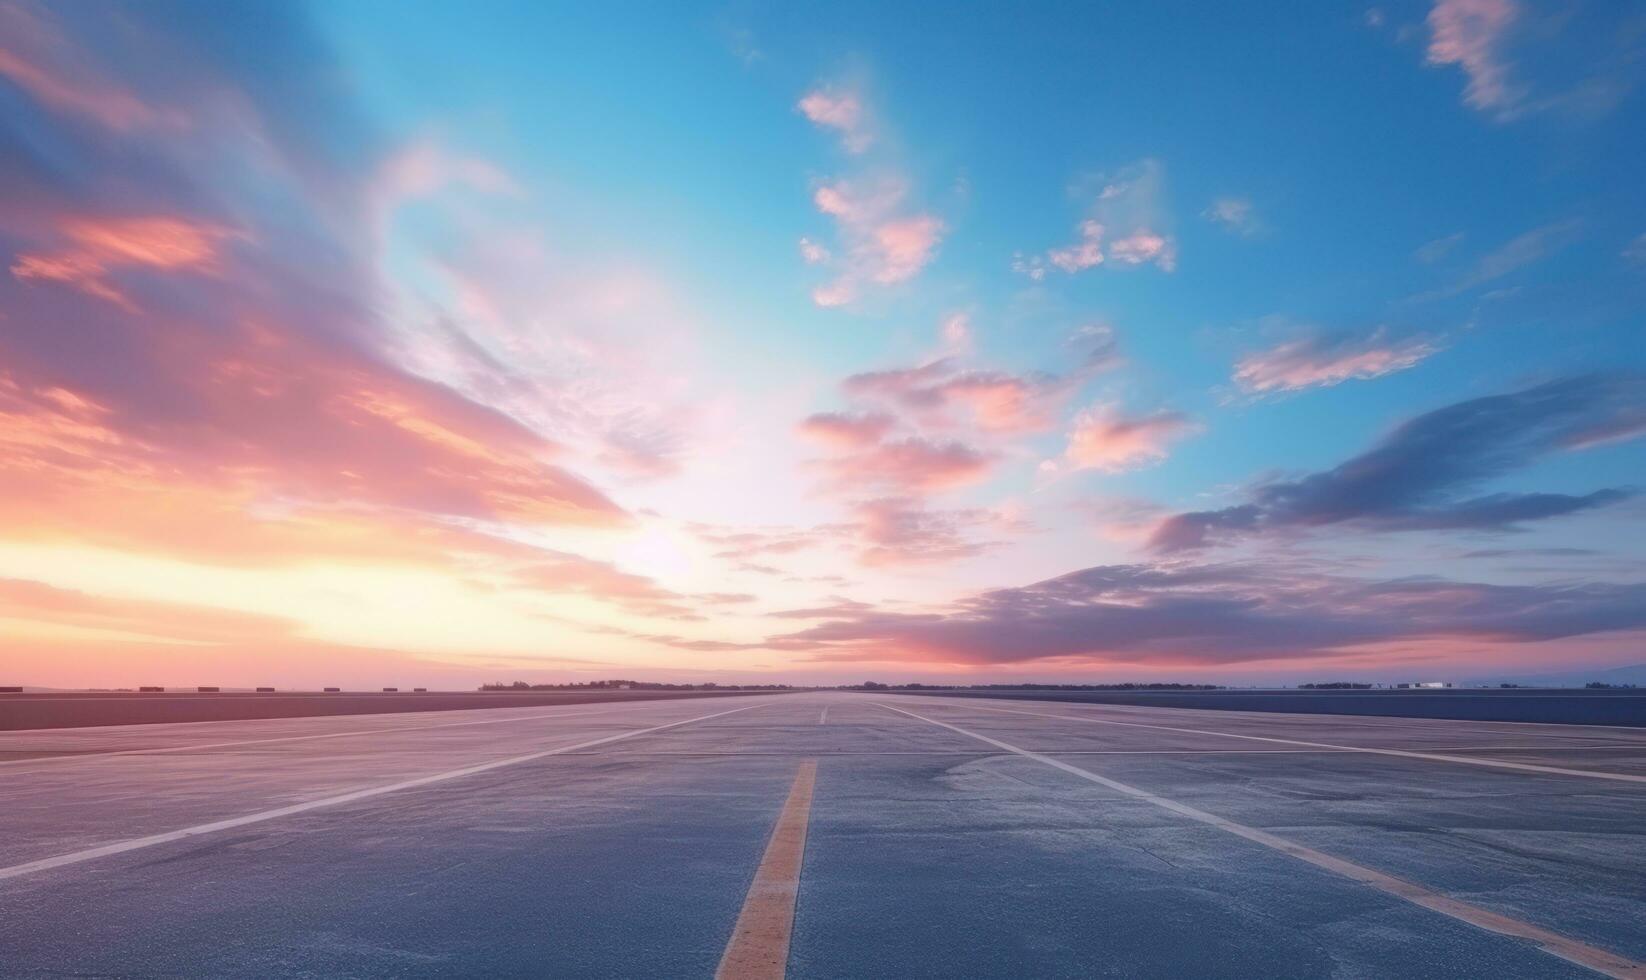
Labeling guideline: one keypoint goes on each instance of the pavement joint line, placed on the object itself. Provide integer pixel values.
(1621, 777)
(94, 756)
(759, 947)
(136, 843)
(1599, 960)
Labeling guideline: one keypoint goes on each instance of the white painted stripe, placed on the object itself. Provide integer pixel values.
(94, 756)
(1599, 960)
(1621, 777)
(823, 719)
(120, 847)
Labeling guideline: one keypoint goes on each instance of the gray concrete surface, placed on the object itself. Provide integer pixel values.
(931, 852)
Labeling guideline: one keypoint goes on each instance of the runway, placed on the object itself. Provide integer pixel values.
(824, 835)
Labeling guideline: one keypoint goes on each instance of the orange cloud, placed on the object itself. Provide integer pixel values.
(42, 603)
(98, 247)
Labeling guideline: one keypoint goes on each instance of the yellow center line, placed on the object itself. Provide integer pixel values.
(759, 947)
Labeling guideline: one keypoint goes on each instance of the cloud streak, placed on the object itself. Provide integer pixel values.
(1322, 360)
(1104, 438)
(1421, 476)
(841, 111)
(1469, 34)
(1174, 616)
(1123, 228)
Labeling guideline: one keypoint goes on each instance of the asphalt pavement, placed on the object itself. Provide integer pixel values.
(826, 835)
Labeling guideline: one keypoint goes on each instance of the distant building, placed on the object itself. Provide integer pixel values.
(1432, 684)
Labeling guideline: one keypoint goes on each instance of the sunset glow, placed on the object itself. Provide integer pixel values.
(342, 345)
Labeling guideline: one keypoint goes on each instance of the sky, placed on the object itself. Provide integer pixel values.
(366, 344)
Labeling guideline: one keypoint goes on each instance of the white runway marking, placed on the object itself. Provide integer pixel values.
(94, 756)
(1621, 777)
(120, 847)
(1599, 960)
(823, 719)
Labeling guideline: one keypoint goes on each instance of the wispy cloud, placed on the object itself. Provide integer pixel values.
(1319, 360)
(903, 531)
(96, 249)
(1105, 438)
(1433, 251)
(1124, 227)
(885, 242)
(1236, 214)
(1521, 251)
(842, 111)
(945, 394)
(1421, 475)
(44, 61)
(1635, 252)
(1469, 34)
(910, 465)
(848, 430)
(1174, 615)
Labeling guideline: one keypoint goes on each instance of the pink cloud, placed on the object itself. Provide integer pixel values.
(1127, 204)
(833, 294)
(97, 247)
(42, 603)
(60, 76)
(900, 531)
(842, 112)
(941, 394)
(422, 168)
(905, 246)
(911, 465)
(561, 573)
(1469, 33)
(1084, 254)
(813, 253)
(1323, 361)
(1103, 438)
(956, 333)
(848, 431)
(1144, 246)
(883, 243)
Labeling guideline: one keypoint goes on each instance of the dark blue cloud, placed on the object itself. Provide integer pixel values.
(1423, 474)
(1215, 614)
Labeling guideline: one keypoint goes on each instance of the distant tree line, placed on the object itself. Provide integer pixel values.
(877, 686)
(1336, 686)
(622, 685)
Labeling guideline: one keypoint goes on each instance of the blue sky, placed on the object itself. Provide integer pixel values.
(828, 321)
